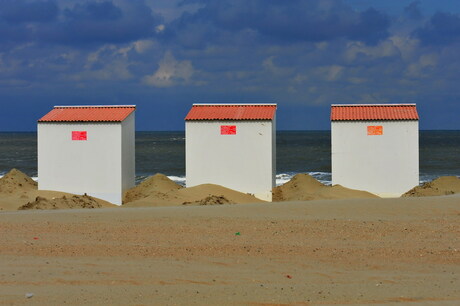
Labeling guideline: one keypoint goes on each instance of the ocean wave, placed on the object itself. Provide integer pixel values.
(281, 178)
(177, 179)
(323, 177)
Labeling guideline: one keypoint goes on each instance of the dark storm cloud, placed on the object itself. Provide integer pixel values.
(102, 22)
(94, 11)
(441, 29)
(84, 23)
(288, 21)
(371, 27)
(21, 11)
(16, 16)
(413, 10)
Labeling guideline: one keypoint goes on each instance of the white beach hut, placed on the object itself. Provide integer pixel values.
(87, 149)
(233, 145)
(375, 147)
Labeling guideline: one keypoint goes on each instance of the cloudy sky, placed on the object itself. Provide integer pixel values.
(165, 55)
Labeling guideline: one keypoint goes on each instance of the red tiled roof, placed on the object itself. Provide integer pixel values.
(232, 112)
(364, 112)
(100, 113)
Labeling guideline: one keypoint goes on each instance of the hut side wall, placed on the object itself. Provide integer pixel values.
(243, 162)
(386, 165)
(128, 166)
(91, 166)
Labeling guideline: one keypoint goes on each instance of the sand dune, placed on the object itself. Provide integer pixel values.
(19, 191)
(16, 181)
(303, 187)
(444, 185)
(160, 191)
(157, 186)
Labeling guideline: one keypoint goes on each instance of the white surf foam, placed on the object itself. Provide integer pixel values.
(177, 179)
(323, 177)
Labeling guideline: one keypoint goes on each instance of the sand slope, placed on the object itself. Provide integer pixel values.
(16, 181)
(303, 187)
(443, 185)
(19, 191)
(206, 194)
(157, 185)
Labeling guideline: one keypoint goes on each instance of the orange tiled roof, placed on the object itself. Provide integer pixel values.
(364, 112)
(90, 113)
(231, 112)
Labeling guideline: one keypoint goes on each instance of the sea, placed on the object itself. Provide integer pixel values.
(297, 152)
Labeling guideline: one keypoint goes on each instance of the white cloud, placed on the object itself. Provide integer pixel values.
(170, 72)
(114, 70)
(385, 48)
(142, 46)
(421, 68)
(330, 73)
(95, 57)
(105, 64)
(160, 28)
(406, 45)
(274, 69)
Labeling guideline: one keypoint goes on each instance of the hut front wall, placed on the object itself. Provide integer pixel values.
(244, 161)
(381, 157)
(91, 166)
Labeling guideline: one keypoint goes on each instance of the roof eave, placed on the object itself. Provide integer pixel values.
(380, 104)
(235, 104)
(229, 119)
(79, 121)
(358, 120)
(94, 106)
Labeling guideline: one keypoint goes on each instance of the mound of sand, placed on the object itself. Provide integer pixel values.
(64, 202)
(16, 181)
(19, 191)
(443, 185)
(206, 194)
(303, 187)
(157, 185)
(210, 200)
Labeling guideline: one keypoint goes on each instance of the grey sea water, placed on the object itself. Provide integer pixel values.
(297, 152)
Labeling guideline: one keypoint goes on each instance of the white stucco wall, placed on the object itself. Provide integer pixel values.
(94, 166)
(386, 165)
(244, 162)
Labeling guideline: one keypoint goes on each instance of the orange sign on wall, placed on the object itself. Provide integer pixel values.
(375, 130)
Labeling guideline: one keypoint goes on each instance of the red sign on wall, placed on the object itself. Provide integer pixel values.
(228, 130)
(79, 135)
(375, 130)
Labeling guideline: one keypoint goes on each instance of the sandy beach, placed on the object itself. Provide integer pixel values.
(362, 251)
(342, 251)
